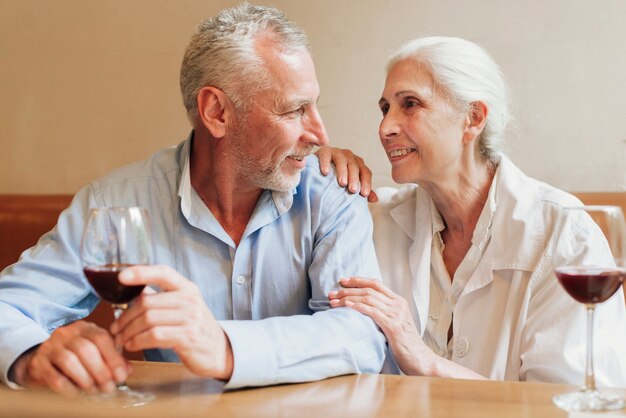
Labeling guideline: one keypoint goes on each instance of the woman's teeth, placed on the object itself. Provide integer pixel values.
(400, 152)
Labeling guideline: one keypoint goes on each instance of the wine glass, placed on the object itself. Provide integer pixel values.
(592, 282)
(115, 238)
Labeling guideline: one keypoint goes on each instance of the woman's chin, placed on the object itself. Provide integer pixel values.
(402, 177)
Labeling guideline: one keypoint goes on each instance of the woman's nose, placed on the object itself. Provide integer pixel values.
(388, 126)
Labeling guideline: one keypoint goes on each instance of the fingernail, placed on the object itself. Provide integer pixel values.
(119, 342)
(332, 294)
(126, 275)
(344, 280)
(342, 181)
(353, 188)
(334, 302)
(120, 375)
(108, 387)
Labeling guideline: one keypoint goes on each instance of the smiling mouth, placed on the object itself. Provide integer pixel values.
(400, 152)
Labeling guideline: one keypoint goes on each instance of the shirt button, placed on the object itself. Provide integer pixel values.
(461, 347)
(241, 280)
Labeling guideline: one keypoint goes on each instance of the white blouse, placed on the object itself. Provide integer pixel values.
(511, 318)
(445, 291)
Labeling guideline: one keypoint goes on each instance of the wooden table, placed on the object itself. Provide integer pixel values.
(181, 394)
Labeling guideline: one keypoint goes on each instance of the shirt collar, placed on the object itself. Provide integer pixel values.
(184, 187)
(282, 200)
(483, 228)
(437, 222)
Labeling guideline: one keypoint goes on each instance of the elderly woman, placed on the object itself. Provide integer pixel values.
(467, 249)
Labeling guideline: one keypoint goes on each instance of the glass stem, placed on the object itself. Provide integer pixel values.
(117, 312)
(590, 380)
(118, 309)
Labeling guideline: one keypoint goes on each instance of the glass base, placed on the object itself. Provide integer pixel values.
(588, 400)
(123, 397)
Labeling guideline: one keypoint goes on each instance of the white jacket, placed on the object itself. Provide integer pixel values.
(513, 320)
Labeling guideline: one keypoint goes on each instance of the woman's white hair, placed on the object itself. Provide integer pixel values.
(467, 74)
(222, 54)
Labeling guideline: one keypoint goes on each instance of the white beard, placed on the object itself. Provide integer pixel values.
(275, 179)
(266, 174)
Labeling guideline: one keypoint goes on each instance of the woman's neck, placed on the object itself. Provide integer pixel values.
(460, 199)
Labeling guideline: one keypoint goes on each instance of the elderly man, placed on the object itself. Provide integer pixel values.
(246, 228)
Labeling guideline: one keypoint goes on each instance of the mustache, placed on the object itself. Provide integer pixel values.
(303, 152)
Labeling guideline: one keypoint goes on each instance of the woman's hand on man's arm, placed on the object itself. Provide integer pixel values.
(351, 170)
(391, 313)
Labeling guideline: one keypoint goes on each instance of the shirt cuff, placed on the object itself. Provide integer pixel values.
(21, 341)
(253, 356)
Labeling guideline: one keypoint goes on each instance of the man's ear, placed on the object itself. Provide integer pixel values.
(476, 119)
(213, 108)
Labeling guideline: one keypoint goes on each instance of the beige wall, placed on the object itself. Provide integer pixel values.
(86, 85)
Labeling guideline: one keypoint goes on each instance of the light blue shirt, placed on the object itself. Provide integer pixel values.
(269, 293)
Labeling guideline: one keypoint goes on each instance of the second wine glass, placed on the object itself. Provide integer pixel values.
(592, 281)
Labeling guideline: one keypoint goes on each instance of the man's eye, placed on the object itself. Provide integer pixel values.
(384, 109)
(296, 112)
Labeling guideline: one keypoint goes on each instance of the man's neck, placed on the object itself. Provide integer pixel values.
(214, 178)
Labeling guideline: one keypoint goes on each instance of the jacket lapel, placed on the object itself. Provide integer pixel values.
(517, 236)
(410, 216)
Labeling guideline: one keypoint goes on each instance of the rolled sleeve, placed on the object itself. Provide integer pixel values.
(45, 289)
(303, 348)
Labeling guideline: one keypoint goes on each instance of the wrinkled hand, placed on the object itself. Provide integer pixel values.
(391, 313)
(77, 357)
(351, 170)
(176, 318)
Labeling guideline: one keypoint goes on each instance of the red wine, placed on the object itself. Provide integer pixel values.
(590, 284)
(104, 281)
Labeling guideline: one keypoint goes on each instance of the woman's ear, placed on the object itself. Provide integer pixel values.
(476, 119)
(213, 110)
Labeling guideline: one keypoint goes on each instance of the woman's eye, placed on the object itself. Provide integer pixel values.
(384, 109)
(410, 103)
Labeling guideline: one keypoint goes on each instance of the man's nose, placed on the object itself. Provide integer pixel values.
(315, 130)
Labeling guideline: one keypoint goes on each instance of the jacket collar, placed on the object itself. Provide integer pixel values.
(517, 220)
(518, 230)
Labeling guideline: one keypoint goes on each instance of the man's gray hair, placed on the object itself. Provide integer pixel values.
(466, 73)
(222, 54)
